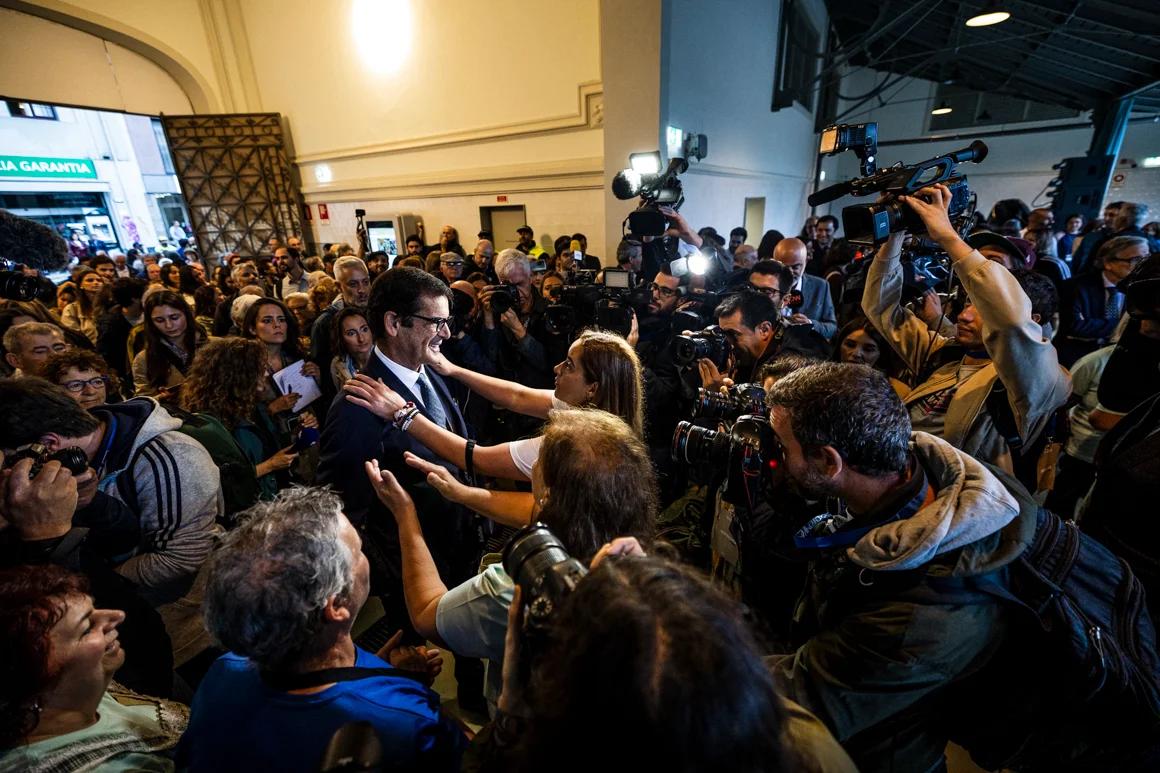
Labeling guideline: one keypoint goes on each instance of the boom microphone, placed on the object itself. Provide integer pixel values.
(830, 193)
(975, 152)
(28, 242)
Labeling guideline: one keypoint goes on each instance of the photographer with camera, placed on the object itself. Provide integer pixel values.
(884, 651)
(56, 517)
(591, 483)
(752, 324)
(993, 394)
(512, 334)
(165, 478)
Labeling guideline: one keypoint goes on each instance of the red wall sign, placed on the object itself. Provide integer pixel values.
(323, 213)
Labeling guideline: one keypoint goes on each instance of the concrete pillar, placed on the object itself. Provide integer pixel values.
(630, 61)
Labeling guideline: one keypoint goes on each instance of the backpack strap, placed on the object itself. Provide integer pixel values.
(283, 681)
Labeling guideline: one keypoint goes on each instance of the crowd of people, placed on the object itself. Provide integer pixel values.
(211, 466)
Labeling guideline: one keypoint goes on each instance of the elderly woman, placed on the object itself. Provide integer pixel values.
(591, 482)
(85, 375)
(59, 708)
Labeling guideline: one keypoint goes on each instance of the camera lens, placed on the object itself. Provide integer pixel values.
(694, 445)
(531, 552)
(15, 286)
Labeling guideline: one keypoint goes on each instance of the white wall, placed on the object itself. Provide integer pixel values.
(48, 62)
(719, 82)
(1017, 166)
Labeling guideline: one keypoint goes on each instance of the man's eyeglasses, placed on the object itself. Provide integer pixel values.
(665, 292)
(453, 263)
(1130, 261)
(438, 322)
(771, 292)
(76, 387)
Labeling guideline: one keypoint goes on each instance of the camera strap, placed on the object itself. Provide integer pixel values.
(285, 682)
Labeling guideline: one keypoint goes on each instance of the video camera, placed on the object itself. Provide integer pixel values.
(644, 178)
(873, 223)
(582, 303)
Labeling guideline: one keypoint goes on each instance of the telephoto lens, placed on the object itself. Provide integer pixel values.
(694, 445)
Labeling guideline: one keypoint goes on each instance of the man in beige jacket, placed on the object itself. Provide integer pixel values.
(1006, 355)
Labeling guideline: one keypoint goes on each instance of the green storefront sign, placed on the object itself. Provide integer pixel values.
(55, 168)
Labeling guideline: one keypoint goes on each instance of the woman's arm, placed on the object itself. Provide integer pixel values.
(510, 508)
(422, 586)
(384, 402)
(506, 394)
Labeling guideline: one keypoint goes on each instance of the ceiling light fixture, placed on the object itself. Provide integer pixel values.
(989, 14)
(942, 109)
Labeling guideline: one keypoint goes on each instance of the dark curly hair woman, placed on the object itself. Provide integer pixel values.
(224, 383)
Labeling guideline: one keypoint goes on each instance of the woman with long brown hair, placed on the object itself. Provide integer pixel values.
(272, 324)
(171, 339)
(92, 298)
(600, 371)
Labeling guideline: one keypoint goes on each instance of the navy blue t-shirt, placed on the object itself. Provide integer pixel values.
(238, 723)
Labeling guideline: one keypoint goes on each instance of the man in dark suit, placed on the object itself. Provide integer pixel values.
(409, 313)
(1092, 304)
(817, 306)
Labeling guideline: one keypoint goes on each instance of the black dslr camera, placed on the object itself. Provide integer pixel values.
(539, 563)
(72, 459)
(504, 297)
(739, 399)
(608, 306)
(711, 343)
(747, 450)
(873, 223)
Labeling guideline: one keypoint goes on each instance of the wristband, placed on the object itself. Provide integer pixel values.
(405, 415)
(468, 460)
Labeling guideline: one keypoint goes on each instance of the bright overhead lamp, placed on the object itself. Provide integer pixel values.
(988, 15)
(942, 109)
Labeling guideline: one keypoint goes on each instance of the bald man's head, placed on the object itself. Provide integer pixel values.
(792, 254)
(463, 286)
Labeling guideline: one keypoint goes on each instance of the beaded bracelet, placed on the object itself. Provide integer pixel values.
(405, 415)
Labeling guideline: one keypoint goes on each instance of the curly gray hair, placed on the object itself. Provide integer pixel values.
(270, 579)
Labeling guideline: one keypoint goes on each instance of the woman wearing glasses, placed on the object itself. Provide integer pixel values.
(601, 371)
(85, 376)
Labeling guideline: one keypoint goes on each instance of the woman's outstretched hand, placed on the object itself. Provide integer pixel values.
(374, 395)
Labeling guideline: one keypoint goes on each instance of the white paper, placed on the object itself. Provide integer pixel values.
(290, 379)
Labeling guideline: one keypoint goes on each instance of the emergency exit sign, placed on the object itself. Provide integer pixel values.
(40, 167)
